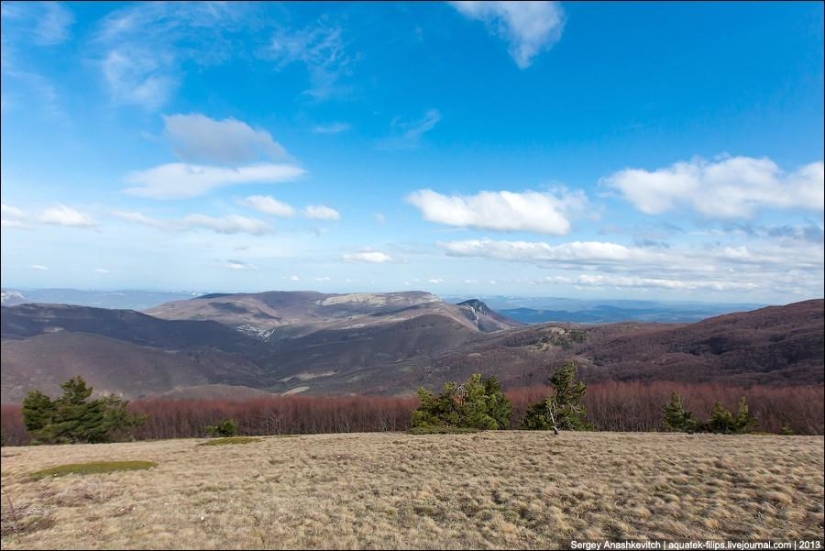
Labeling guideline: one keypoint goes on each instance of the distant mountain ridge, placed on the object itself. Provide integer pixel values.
(388, 343)
(278, 314)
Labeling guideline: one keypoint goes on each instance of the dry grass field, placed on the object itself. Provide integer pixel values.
(391, 490)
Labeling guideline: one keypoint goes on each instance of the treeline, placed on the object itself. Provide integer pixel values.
(611, 406)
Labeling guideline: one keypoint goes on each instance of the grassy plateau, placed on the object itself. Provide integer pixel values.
(507, 489)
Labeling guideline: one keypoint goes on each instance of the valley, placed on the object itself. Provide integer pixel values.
(384, 343)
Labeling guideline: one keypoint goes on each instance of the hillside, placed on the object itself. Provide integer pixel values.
(777, 345)
(389, 346)
(43, 345)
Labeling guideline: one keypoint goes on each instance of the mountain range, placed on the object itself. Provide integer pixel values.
(381, 343)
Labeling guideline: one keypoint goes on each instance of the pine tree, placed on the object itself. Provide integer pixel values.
(563, 409)
(744, 422)
(676, 418)
(721, 420)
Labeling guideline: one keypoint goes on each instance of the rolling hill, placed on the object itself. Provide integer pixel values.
(384, 344)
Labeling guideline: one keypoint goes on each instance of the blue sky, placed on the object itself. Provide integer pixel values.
(592, 150)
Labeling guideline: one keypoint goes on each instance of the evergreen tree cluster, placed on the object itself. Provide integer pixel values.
(481, 404)
(476, 404)
(75, 418)
(678, 419)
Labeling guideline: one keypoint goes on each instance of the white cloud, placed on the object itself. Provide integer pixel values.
(435, 280)
(577, 251)
(332, 128)
(373, 257)
(61, 215)
(39, 267)
(146, 221)
(102, 271)
(142, 48)
(320, 212)
(240, 265)
(10, 216)
(134, 76)
(624, 282)
(776, 266)
(320, 279)
(53, 25)
(321, 49)
(197, 138)
(380, 218)
(294, 278)
(734, 187)
(268, 205)
(411, 131)
(231, 224)
(502, 210)
(180, 181)
(228, 224)
(40, 23)
(528, 27)
(12, 212)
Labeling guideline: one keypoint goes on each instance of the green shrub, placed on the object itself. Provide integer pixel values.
(225, 427)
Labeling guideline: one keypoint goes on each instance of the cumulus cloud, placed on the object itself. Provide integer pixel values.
(61, 215)
(320, 212)
(180, 181)
(373, 257)
(268, 205)
(198, 138)
(502, 210)
(528, 27)
(734, 187)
